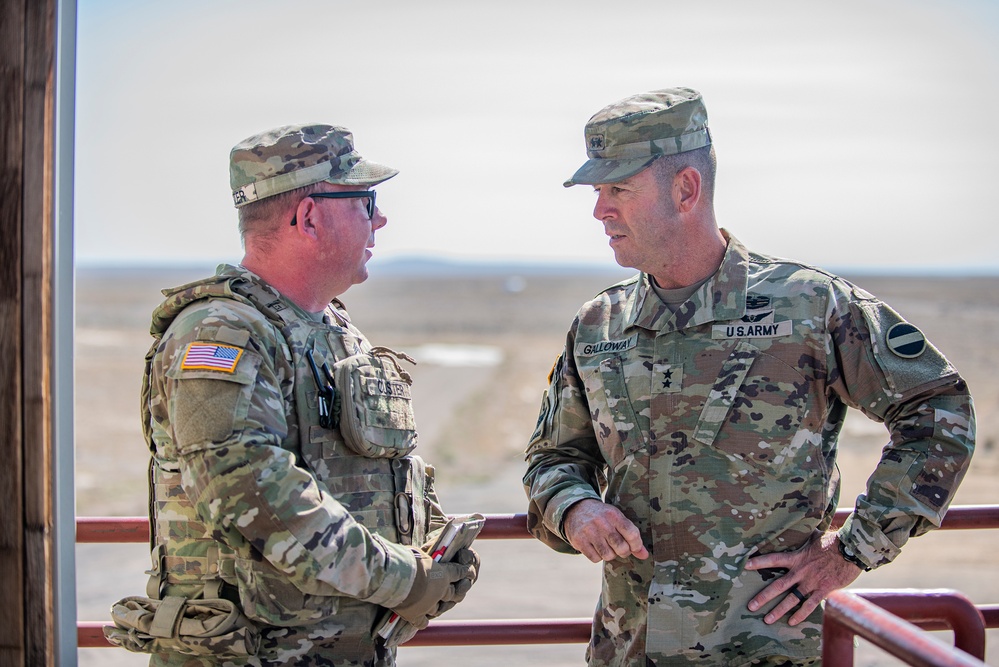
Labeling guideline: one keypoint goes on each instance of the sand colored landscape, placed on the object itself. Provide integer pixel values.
(484, 342)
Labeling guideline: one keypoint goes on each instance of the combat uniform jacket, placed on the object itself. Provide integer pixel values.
(308, 536)
(714, 430)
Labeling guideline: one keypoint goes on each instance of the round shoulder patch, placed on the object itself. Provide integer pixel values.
(905, 340)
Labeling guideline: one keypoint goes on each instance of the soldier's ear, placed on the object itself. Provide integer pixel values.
(306, 216)
(686, 189)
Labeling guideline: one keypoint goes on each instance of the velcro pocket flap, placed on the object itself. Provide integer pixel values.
(376, 404)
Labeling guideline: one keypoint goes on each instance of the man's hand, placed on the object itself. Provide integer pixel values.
(602, 532)
(815, 570)
(438, 586)
(466, 558)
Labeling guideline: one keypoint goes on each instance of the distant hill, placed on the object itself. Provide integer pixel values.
(435, 266)
(428, 266)
(394, 266)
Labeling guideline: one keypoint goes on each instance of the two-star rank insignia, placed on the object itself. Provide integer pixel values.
(667, 378)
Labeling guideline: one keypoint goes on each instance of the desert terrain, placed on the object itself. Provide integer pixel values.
(484, 342)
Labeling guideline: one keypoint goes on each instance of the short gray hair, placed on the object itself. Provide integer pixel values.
(263, 218)
(701, 159)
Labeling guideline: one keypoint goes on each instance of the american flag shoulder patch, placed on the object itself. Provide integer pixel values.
(211, 356)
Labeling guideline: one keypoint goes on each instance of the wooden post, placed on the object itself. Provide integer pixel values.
(27, 58)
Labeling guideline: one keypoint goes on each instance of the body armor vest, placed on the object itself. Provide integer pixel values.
(383, 487)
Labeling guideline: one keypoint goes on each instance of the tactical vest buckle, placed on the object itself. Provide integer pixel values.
(404, 515)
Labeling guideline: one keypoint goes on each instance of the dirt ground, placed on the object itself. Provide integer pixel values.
(474, 417)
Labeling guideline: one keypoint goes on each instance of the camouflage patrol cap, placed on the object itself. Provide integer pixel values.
(294, 156)
(624, 138)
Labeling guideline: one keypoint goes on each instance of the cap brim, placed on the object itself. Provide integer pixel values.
(365, 172)
(597, 170)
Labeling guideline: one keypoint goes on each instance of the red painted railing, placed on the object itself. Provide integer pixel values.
(877, 616)
(498, 526)
(553, 631)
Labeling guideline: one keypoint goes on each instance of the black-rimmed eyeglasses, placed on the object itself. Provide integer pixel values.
(368, 195)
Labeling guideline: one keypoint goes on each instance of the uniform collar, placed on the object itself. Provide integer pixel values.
(268, 296)
(722, 298)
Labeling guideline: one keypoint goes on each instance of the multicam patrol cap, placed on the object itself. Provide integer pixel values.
(294, 156)
(626, 137)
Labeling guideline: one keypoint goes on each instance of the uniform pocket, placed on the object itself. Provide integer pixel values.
(754, 409)
(212, 627)
(366, 490)
(617, 424)
(376, 406)
(206, 404)
(266, 596)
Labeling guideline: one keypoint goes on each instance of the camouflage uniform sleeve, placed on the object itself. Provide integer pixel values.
(228, 428)
(884, 366)
(565, 464)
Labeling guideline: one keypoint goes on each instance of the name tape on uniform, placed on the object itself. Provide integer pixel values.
(387, 388)
(752, 330)
(605, 346)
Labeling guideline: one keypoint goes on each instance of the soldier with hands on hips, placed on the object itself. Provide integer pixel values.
(688, 437)
(283, 480)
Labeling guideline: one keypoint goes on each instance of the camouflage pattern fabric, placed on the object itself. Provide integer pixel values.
(308, 536)
(294, 156)
(714, 427)
(625, 137)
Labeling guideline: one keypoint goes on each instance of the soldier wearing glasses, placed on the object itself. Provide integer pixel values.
(282, 475)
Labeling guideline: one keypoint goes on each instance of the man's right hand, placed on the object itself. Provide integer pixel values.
(438, 586)
(602, 532)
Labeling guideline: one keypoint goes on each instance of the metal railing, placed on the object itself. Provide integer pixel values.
(129, 529)
(882, 618)
(556, 631)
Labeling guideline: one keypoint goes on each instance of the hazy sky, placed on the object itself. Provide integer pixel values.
(850, 134)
